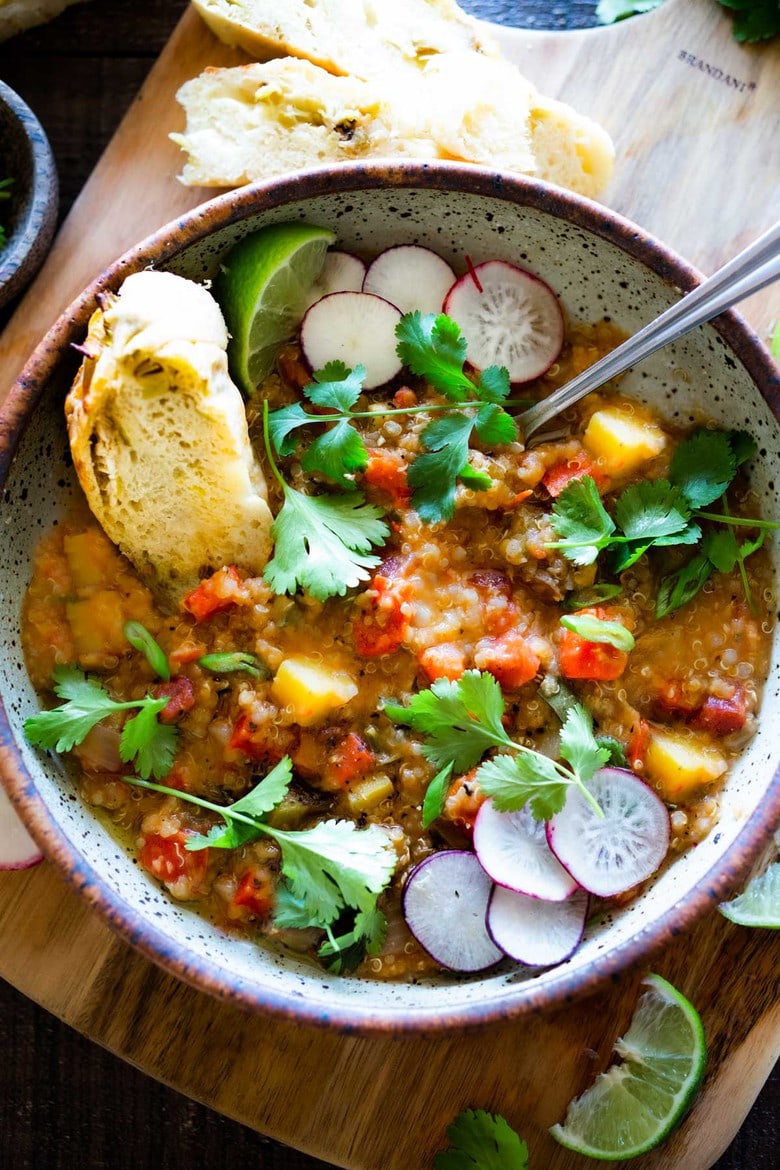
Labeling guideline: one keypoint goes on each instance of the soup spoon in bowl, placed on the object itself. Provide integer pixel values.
(750, 271)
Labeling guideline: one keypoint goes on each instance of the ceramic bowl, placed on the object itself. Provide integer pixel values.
(599, 264)
(30, 215)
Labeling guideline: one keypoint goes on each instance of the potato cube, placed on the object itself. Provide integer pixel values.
(368, 794)
(680, 764)
(622, 441)
(311, 689)
(97, 626)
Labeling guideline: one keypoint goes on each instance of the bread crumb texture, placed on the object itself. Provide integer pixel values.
(352, 80)
(159, 436)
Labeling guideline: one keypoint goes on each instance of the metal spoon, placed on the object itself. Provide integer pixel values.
(753, 269)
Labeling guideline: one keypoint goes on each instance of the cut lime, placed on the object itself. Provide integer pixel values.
(759, 903)
(632, 1106)
(263, 291)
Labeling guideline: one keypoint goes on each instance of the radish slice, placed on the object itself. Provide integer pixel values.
(535, 932)
(410, 277)
(341, 272)
(356, 328)
(508, 317)
(513, 850)
(17, 848)
(613, 853)
(445, 901)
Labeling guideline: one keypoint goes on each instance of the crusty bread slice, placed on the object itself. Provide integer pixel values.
(357, 37)
(252, 122)
(159, 436)
(17, 15)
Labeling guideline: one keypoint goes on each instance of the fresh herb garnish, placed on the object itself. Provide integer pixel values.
(234, 661)
(140, 639)
(435, 796)
(754, 20)
(327, 869)
(434, 348)
(663, 513)
(144, 740)
(590, 595)
(594, 629)
(482, 1141)
(321, 543)
(463, 720)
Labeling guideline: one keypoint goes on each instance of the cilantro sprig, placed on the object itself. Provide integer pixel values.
(329, 869)
(321, 543)
(434, 348)
(151, 745)
(482, 1141)
(463, 720)
(663, 513)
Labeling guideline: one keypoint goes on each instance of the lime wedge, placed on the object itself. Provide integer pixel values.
(263, 291)
(759, 903)
(632, 1106)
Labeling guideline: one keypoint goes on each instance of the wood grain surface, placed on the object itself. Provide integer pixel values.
(335, 1097)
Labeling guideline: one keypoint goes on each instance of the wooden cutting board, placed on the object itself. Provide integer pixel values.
(695, 121)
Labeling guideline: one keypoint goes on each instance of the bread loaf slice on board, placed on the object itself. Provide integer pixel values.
(252, 122)
(159, 436)
(17, 15)
(357, 37)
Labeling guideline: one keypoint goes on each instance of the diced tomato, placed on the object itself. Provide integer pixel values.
(579, 658)
(464, 801)
(722, 716)
(382, 629)
(386, 470)
(404, 398)
(509, 659)
(167, 859)
(217, 593)
(675, 702)
(638, 743)
(186, 653)
(180, 695)
(351, 759)
(560, 475)
(255, 892)
(254, 743)
(444, 661)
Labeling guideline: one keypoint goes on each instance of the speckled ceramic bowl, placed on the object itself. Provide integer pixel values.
(30, 215)
(598, 264)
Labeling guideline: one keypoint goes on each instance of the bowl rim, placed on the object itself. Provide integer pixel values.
(29, 242)
(153, 942)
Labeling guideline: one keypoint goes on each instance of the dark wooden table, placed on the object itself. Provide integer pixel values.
(65, 1104)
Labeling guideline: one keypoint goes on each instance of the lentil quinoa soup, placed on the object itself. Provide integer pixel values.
(672, 689)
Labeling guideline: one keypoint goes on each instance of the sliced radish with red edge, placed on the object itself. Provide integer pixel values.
(509, 318)
(410, 277)
(356, 328)
(610, 854)
(341, 272)
(535, 932)
(445, 901)
(512, 848)
(17, 848)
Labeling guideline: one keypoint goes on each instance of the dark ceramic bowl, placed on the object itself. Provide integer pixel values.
(30, 215)
(599, 264)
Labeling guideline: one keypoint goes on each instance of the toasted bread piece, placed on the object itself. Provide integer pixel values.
(17, 15)
(357, 37)
(159, 436)
(252, 122)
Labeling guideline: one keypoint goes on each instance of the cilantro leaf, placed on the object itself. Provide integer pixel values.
(494, 426)
(433, 475)
(260, 800)
(594, 629)
(582, 522)
(461, 720)
(482, 1141)
(648, 510)
(338, 453)
(616, 752)
(346, 950)
(435, 796)
(321, 543)
(494, 385)
(703, 466)
(678, 588)
(434, 347)
(86, 704)
(754, 20)
(336, 386)
(578, 745)
(283, 422)
(514, 781)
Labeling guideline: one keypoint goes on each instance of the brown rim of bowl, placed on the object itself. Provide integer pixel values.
(526, 998)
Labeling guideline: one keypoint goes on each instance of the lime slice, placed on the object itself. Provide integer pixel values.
(759, 903)
(632, 1106)
(263, 290)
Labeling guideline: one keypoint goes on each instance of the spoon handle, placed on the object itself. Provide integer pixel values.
(753, 269)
